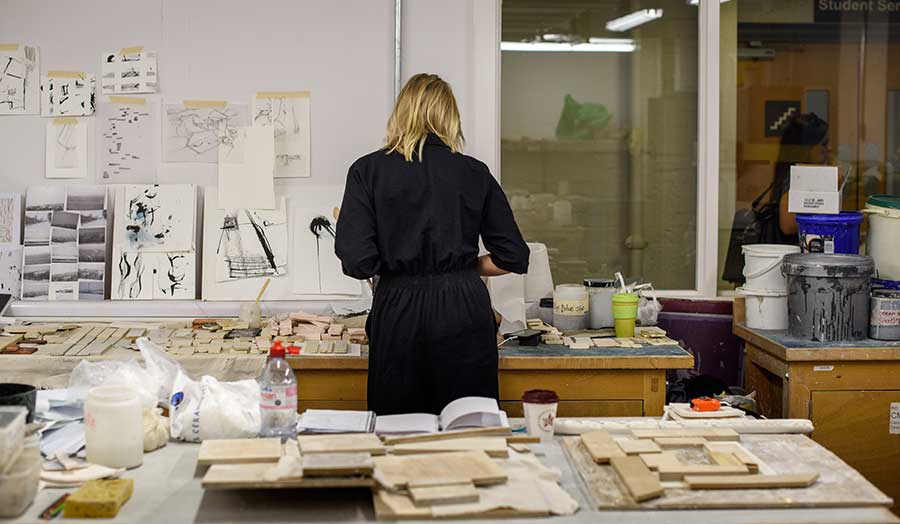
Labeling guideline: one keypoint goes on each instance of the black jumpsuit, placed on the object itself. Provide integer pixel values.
(416, 224)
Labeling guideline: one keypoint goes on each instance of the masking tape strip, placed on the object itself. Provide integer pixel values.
(199, 104)
(65, 121)
(127, 100)
(131, 50)
(67, 74)
(282, 94)
(9, 47)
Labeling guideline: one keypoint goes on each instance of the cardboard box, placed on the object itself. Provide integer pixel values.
(814, 189)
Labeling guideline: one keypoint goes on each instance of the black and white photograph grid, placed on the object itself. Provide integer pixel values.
(90, 290)
(45, 198)
(36, 255)
(65, 219)
(64, 272)
(91, 235)
(91, 271)
(85, 198)
(36, 290)
(92, 253)
(93, 218)
(37, 228)
(63, 236)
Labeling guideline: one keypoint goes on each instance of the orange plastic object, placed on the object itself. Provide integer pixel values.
(705, 404)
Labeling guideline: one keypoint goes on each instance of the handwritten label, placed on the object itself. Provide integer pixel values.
(572, 308)
(885, 317)
(823, 368)
(895, 418)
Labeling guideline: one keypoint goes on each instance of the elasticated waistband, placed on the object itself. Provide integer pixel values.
(452, 277)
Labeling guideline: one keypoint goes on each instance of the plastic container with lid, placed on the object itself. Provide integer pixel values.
(571, 307)
(12, 433)
(114, 427)
(830, 234)
(600, 292)
(883, 241)
(545, 310)
(19, 485)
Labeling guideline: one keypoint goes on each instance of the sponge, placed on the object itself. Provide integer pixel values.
(99, 499)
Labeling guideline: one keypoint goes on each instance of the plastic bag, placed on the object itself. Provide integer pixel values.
(160, 366)
(648, 307)
(581, 121)
(128, 373)
(209, 409)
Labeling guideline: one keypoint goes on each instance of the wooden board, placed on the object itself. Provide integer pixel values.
(443, 435)
(470, 465)
(654, 460)
(642, 484)
(838, 486)
(802, 480)
(337, 464)
(601, 446)
(346, 443)
(493, 446)
(633, 446)
(707, 433)
(394, 506)
(740, 452)
(239, 451)
(680, 442)
(679, 471)
(448, 494)
(252, 476)
(684, 411)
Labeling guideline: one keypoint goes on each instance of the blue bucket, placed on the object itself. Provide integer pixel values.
(830, 234)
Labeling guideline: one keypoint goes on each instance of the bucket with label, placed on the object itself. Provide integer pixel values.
(884, 323)
(828, 296)
(884, 234)
(830, 234)
(765, 308)
(762, 266)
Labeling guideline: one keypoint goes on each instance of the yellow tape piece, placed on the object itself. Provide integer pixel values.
(65, 120)
(282, 94)
(66, 74)
(131, 50)
(127, 100)
(200, 104)
(9, 47)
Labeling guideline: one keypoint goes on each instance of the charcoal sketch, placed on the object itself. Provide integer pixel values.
(10, 221)
(128, 71)
(132, 277)
(194, 134)
(175, 275)
(67, 96)
(289, 116)
(20, 81)
(319, 270)
(65, 146)
(158, 218)
(67, 152)
(252, 243)
(11, 270)
(128, 141)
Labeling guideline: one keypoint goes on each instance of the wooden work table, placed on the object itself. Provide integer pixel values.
(845, 389)
(597, 382)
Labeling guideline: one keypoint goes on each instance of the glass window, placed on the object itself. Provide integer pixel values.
(811, 82)
(599, 135)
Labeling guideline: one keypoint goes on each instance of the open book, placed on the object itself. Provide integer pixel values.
(466, 412)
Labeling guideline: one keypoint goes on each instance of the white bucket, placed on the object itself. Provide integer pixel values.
(766, 309)
(762, 266)
(883, 241)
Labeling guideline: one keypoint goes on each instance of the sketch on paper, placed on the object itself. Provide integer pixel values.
(289, 116)
(252, 243)
(11, 270)
(319, 270)
(19, 80)
(129, 71)
(133, 281)
(175, 275)
(248, 183)
(65, 147)
(10, 221)
(67, 154)
(145, 276)
(194, 134)
(68, 95)
(158, 218)
(127, 142)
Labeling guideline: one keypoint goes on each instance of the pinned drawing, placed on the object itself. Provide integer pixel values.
(288, 114)
(318, 271)
(19, 80)
(11, 270)
(133, 281)
(67, 93)
(130, 70)
(10, 218)
(146, 276)
(67, 152)
(174, 275)
(247, 183)
(128, 141)
(252, 244)
(195, 130)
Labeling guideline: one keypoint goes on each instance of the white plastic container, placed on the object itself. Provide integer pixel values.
(883, 241)
(12, 433)
(765, 308)
(762, 266)
(571, 308)
(19, 485)
(114, 427)
(600, 292)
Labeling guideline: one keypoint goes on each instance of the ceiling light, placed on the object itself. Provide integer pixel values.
(697, 2)
(556, 37)
(596, 45)
(634, 19)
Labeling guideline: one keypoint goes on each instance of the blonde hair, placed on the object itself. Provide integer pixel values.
(425, 105)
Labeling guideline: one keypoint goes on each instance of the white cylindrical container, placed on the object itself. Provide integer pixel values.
(538, 280)
(883, 241)
(762, 266)
(114, 427)
(571, 308)
(765, 308)
(539, 406)
(600, 292)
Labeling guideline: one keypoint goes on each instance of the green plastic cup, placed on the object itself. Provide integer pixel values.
(624, 306)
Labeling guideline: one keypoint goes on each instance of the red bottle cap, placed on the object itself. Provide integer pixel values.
(293, 350)
(277, 350)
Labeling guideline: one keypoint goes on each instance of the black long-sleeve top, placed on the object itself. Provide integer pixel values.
(424, 217)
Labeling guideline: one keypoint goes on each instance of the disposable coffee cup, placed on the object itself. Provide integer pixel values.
(540, 412)
(624, 306)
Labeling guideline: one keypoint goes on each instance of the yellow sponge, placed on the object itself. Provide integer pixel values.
(99, 499)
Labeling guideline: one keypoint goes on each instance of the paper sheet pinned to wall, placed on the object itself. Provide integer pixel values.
(246, 170)
(68, 153)
(10, 218)
(69, 94)
(128, 138)
(195, 130)
(288, 114)
(318, 269)
(20, 85)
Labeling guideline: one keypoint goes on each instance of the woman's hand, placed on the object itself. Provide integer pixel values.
(487, 268)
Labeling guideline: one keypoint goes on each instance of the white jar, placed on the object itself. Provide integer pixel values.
(600, 292)
(570, 307)
(114, 427)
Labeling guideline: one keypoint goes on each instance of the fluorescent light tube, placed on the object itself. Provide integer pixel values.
(697, 2)
(633, 20)
(596, 45)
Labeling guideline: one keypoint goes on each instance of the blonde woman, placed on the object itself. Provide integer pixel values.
(412, 213)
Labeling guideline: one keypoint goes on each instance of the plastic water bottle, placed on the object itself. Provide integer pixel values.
(278, 397)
